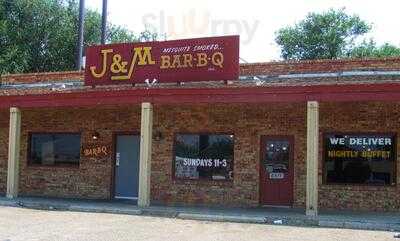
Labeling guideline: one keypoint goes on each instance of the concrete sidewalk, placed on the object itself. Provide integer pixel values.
(278, 216)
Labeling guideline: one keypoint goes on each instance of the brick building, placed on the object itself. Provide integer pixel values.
(312, 134)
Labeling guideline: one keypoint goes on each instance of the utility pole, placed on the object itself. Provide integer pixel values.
(104, 22)
(80, 34)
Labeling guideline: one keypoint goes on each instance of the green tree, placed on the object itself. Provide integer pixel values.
(369, 49)
(327, 35)
(40, 35)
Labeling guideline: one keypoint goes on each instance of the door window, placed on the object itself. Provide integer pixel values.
(276, 159)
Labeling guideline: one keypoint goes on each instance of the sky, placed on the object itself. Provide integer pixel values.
(256, 21)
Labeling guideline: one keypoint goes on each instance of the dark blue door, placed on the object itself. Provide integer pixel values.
(127, 167)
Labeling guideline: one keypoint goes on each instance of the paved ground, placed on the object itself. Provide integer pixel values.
(384, 221)
(27, 224)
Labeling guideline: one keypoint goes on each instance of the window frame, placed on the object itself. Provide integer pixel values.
(62, 165)
(174, 178)
(324, 176)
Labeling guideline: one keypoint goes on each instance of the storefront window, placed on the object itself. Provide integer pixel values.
(207, 157)
(54, 149)
(360, 158)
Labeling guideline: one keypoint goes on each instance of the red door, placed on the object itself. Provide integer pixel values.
(276, 171)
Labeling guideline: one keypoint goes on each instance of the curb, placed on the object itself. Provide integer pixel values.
(222, 218)
(6, 203)
(170, 213)
(360, 225)
(76, 208)
(160, 213)
(105, 210)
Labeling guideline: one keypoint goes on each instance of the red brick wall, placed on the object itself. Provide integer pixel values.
(4, 125)
(92, 179)
(360, 117)
(248, 123)
(266, 68)
(42, 77)
(319, 66)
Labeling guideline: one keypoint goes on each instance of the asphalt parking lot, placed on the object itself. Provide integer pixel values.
(27, 224)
